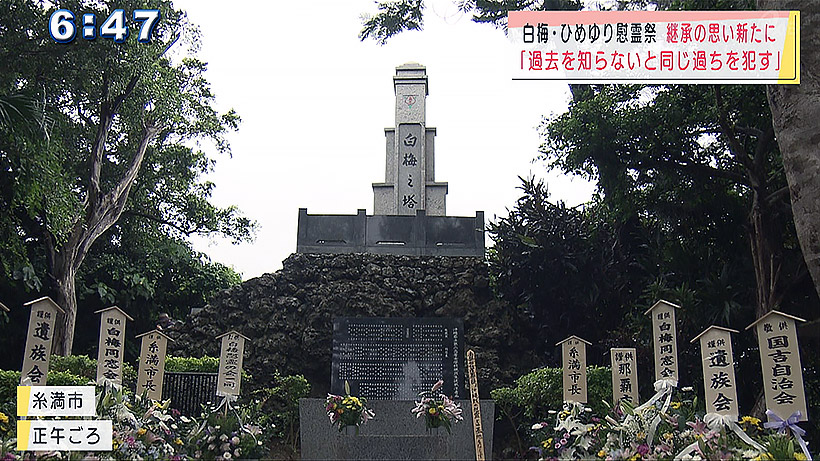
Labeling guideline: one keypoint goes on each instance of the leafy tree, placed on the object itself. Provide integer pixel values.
(394, 17)
(659, 149)
(566, 267)
(125, 118)
(136, 266)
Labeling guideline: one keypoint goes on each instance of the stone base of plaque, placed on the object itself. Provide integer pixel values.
(405, 447)
(394, 434)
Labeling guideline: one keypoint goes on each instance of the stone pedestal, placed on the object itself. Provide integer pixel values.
(380, 447)
(394, 434)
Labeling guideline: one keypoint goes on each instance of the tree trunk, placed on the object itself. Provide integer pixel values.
(67, 299)
(62, 276)
(795, 112)
(766, 262)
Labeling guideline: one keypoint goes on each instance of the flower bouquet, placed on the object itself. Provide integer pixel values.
(437, 408)
(347, 410)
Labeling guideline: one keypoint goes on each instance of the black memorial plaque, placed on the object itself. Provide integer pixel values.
(396, 358)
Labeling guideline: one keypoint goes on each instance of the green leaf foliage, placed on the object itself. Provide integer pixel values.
(204, 364)
(394, 17)
(568, 268)
(279, 407)
(78, 114)
(86, 367)
(541, 391)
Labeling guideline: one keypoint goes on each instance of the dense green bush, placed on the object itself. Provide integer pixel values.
(540, 391)
(78, 365)
(204, 364)
(86, 367)
(279, 407)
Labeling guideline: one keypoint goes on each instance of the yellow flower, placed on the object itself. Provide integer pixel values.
(545, 443)
(141, 431)
(178, 441)
(640, 436)
(116, 443)
(602, 454)
(675, 405)
(800, 456)
(432, 410)
(3, 418)
(667, 436)
(750, 420)
(764, 457)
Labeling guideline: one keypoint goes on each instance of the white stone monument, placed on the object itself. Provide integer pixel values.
(409, 174)
(409, 215)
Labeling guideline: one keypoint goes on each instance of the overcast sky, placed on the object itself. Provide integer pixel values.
(314, 101)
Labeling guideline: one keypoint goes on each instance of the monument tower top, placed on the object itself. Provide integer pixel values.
(409, 215)
(410, 159)
(410, 86)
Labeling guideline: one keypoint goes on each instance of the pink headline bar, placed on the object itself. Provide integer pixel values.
(521, 18)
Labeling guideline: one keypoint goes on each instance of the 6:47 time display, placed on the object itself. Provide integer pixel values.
(62, 29)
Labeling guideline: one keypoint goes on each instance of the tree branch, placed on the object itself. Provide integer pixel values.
(80, 114)
(107, 113)
(98, 148)
(111, 206)
(699, 168)
(763, 147)
(159, 220)
(115, 106)
(749, 131)
(776, 196)
(734, 145)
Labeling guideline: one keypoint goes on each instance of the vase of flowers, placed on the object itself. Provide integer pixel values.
(347, 412)
(438, 410)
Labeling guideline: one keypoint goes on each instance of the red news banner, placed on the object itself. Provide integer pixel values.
(756, 47)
